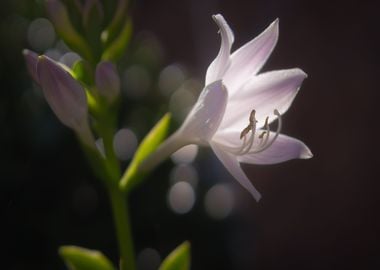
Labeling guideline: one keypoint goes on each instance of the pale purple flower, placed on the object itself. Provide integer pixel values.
(234, 110)
(65, 96)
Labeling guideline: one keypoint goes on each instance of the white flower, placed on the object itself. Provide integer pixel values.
(234, 110)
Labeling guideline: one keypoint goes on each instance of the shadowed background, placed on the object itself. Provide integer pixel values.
(315, 214)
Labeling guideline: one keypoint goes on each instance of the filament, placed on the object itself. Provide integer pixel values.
(248, 136)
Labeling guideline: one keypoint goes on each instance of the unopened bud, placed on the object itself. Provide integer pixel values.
(92, 12)
(31, 59)
(64, 94)
(59, 15)
(107, 80)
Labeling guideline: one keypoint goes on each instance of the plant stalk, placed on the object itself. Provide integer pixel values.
(123, 228)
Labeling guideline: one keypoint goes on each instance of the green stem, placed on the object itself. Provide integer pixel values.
(123, 228)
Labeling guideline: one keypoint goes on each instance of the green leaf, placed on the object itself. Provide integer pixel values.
(77, 258)
(132, 175)
(178, 259)
(111, 32)
(117, 48)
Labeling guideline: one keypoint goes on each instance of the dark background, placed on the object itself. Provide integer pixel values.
(321, 213)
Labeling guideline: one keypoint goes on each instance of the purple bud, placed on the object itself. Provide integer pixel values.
(64, 94)
(31, 59)
(107, 80)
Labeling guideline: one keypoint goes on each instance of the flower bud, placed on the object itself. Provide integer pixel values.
(59, 15)
(107, 80)
(92, 13)
(31, 59)
(66, 97)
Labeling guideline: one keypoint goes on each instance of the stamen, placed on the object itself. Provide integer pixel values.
(264, 136)
(267, 132)
(246, 146)
(245, 132)
(251, 125)
(266, 122)
(279, 126)
(252, 118)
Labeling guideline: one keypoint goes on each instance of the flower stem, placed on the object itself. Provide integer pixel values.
(168, 147)
(123, 229)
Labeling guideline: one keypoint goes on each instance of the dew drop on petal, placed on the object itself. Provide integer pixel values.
(148, 259)
(181, 197)
(219, 201)
(125, 143)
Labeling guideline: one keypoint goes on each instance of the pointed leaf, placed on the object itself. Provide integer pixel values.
(117, 48)
(178, 259)
(133, 175)
(77, 258)
(110, 33)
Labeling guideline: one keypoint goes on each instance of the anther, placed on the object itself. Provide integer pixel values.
(262, 134)
(245, 132)
(266, 125)
(251, 125)
(265, 144)
(252, 118)
(264, 137)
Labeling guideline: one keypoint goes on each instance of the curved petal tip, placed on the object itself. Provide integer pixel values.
(300, 72)
(306, 153)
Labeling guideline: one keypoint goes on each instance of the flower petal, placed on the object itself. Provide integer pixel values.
(218, 67)
(232, 165)
(64, 94)
(249, 59)
(283, 149)
(31, 59)
(107, 80)
(205, 117)
(263, 93)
